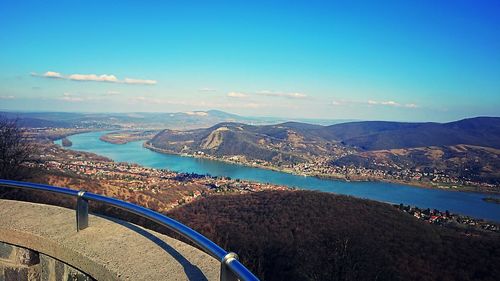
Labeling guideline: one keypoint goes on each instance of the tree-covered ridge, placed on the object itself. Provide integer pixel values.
(305, 235)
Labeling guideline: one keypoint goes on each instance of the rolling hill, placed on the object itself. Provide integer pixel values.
(238, 138)
(306, 235)
(282, 143)
(465, 152)
(480, 131)
(468, 162)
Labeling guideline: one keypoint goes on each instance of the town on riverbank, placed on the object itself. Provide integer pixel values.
(159, 188)
(321, 167)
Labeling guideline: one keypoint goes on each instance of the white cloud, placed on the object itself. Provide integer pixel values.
(149, 100)
(52, 74)
(392, 104)
(389, 103)
(48, 74)
(139, 81)
(7, 97)
(72, 99)
(237, 95)
(95, 78)
(197, 113)
(112, 93)
(208, 90)
(294, 95)
(251, 105)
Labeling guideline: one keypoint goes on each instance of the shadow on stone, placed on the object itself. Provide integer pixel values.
(191, 271)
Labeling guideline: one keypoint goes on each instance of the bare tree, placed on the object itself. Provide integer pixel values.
(16, 150)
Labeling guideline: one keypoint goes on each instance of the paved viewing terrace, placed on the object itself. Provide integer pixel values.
(41, 241)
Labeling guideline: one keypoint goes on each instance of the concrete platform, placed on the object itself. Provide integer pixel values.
(107, 249)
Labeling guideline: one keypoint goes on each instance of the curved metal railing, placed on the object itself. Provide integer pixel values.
(231, 268)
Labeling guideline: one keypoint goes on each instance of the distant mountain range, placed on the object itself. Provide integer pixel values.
(176, 120)
(229, 138)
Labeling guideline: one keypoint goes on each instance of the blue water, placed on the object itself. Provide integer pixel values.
(466, 203)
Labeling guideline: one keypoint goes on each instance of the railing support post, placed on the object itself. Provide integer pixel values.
(82, 212)
(225, 273)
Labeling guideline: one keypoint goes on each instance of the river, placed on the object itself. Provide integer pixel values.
(466, 203)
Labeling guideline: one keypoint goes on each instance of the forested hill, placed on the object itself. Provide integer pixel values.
(480, 131)
(226, 138)
(305, 235)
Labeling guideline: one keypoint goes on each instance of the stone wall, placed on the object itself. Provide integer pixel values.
(20, 264)
(109, 249)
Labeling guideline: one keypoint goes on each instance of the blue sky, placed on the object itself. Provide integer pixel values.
(385, 60)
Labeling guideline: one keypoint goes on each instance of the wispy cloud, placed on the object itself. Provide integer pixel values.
(237, 95)
(207, 90)
(294, 95)
(70, 97)
(51, 74)
(392, 104)
(112, 93)
(139, 81)
(94, 78)
(389, 103)
(83, 97)
(201, 104)
(7, 97)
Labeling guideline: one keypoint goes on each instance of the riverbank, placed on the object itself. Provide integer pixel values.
(338, 177)
(54, 134)
(126, 136)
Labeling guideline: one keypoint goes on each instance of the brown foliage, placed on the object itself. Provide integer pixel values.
(304, 235)
(15, 151)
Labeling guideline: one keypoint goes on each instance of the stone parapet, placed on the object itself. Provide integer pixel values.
(40, 242)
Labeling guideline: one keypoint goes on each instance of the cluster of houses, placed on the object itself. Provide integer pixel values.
(140, 178)
(434, 216)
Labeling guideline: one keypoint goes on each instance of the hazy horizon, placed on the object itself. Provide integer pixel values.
(278, 118)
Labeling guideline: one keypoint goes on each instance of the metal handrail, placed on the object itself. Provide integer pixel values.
(231, 268)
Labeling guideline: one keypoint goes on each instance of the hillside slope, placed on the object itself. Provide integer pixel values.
(305, 235)
(369, 135)
(463, 154)
(282, 143)
(480, 131)
(472, 163)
